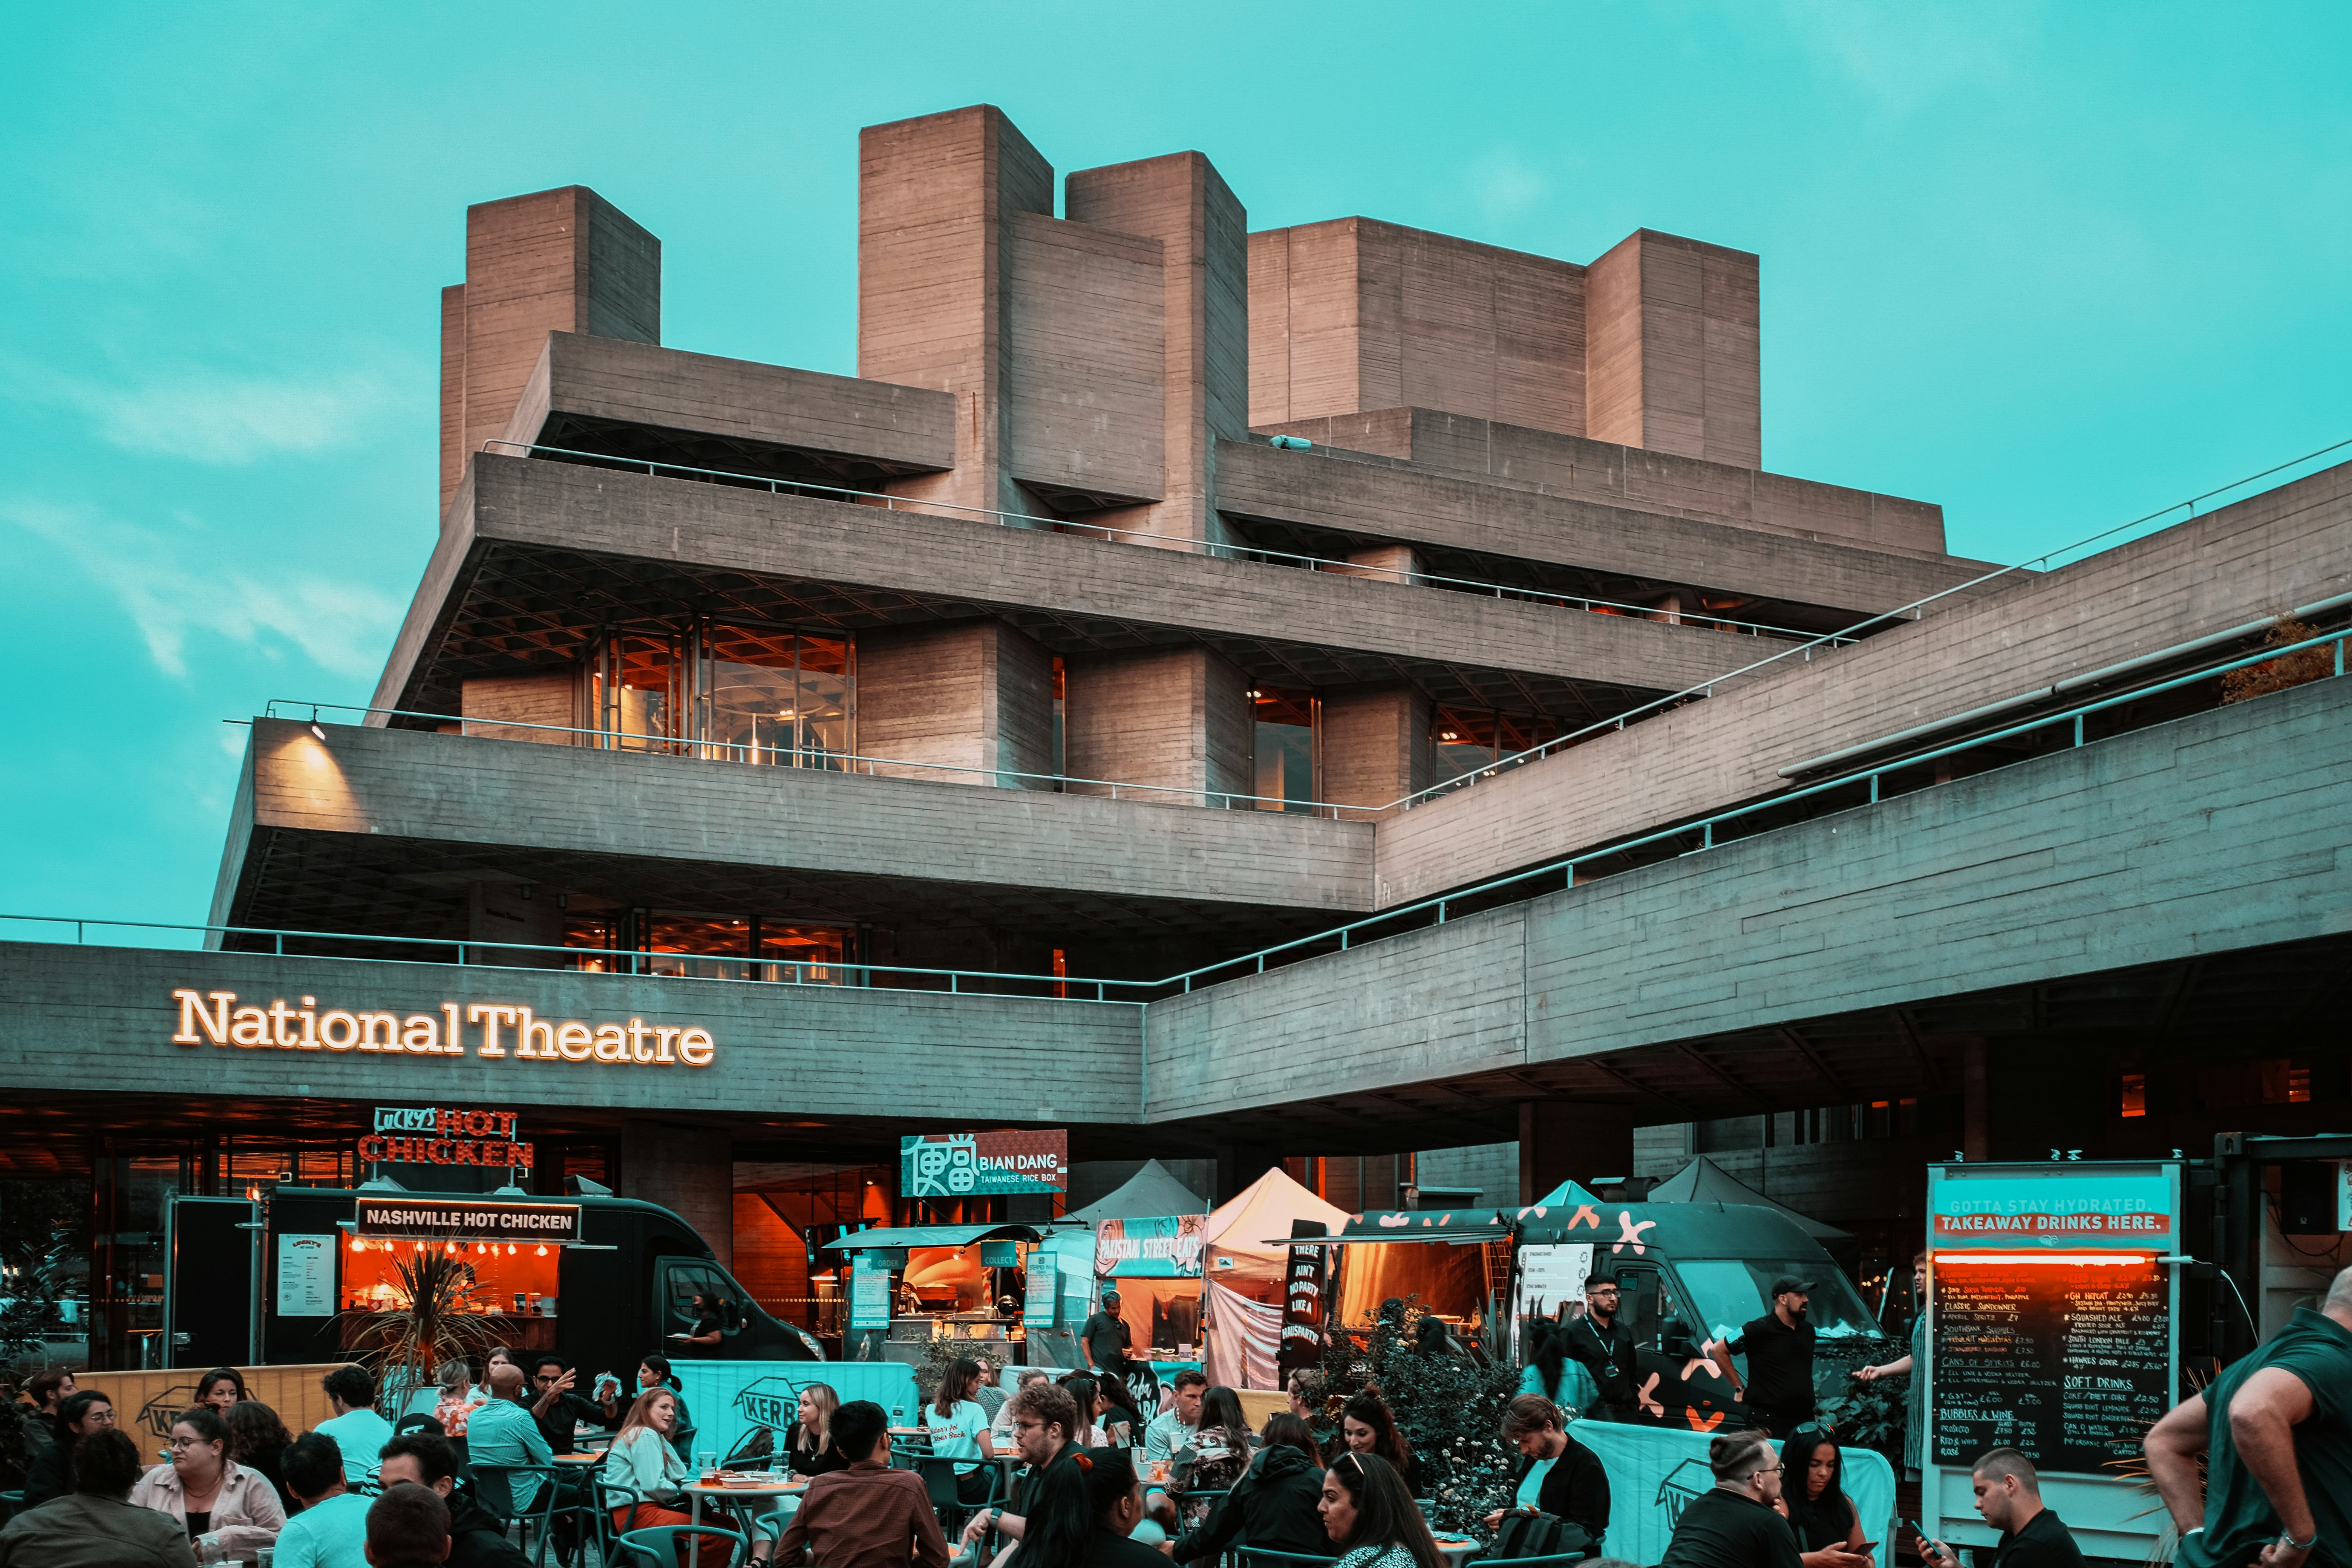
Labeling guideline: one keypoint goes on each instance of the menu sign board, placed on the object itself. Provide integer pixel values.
(1308, 1276)
(2069, 1362)
(1037, 1305)
(406, 1218)
(869, 1293)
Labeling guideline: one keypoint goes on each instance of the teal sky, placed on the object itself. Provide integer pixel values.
(2052, 267)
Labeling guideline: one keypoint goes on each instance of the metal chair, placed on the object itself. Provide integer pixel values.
(1546, 1561)
(656, 1547)
(939, 1480)
(494, 1488)
(601, 1497)
(1267, 1557)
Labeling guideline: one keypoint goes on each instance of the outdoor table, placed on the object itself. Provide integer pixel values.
(1454, 1549)
(698, 1491)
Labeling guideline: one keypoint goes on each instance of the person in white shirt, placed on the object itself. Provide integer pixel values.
(958, 1430)
(1000, 1428)
(1173, 1427)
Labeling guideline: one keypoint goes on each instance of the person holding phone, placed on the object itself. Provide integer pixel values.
(2009, 1496)
(1813, 1494)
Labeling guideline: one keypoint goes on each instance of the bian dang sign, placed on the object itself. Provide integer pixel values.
(486, 1028)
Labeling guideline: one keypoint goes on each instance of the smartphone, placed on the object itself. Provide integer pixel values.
(1913, 1526)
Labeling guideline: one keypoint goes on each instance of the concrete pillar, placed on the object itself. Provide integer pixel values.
(1239, 1164)
(934, 195)
(545, 697)
(1376, 744)
(1182, 202)
(522, 912)
(1671, 357)
(561, 261)
(970, 694)
(690, 1170)
(1568, 1139)
(1179, 717)
(2021, 1099)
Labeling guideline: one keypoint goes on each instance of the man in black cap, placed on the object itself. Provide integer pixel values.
(1604, 1347)
(1780, 1351)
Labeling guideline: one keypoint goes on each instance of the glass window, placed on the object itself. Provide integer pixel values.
(1730, 1291)
(810, 956)
(699, 947)
(598, 934)
(780, 697)
(1286, 749)
(1470, 740)
(636, 690)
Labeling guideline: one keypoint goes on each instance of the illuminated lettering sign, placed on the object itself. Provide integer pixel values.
(445, 1137)
(405, 1218)
(217, 1016)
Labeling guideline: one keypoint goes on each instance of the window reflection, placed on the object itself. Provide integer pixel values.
(1476, 739)
(773, 696)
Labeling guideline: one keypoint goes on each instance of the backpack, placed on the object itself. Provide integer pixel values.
(1535, 1535)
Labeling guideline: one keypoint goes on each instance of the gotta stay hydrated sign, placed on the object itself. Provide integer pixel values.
(500, 1030)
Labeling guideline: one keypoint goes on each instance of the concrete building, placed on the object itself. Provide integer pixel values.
(951, 743)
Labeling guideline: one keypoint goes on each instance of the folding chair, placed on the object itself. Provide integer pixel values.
(656, 1547)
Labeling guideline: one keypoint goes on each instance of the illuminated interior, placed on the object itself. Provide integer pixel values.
(2069, 1259)
(502, 1270)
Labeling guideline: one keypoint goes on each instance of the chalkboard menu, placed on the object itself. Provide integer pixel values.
(2067, 1361)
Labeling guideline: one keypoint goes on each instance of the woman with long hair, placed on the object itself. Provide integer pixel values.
(809, 1448)
(1370, 1517)
(221, 1388)
(1272, 1506)
(455, 1380)
(1081, 1513)
(1221, 1445)
(958, 1430)
(1116, 1408)
(644, 1459)
(1812, 1488)
(1083, 1388)
(653, 1372)
(1366, 1427)
(257, 1441)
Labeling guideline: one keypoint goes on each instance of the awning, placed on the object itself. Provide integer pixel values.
(933, 1236)
(1413, 1225)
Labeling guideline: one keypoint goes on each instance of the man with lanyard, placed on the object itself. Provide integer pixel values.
(2275, 1429)
(1604, 1347)
(1780, 1351)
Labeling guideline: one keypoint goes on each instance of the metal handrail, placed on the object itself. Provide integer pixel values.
(639, 958)
(1704, 827)
(678, 746)
(1702, 620)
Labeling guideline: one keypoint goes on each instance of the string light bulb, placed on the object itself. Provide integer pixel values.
(542, 1249)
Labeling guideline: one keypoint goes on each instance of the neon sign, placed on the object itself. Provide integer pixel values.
(445, 1137)
(217, 1017)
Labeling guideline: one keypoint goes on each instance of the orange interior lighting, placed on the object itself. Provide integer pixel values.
(2075, 1260)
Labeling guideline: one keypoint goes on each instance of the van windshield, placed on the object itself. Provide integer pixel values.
(1727, 1292)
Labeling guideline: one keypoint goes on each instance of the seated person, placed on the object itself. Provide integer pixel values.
(869, 1515)
(477, 1537)
(95, 1525)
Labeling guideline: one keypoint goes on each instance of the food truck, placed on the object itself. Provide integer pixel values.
(1690, 1274)
(600, 1280)
(971, 1284)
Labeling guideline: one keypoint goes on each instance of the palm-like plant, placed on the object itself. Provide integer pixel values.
(430, 1321)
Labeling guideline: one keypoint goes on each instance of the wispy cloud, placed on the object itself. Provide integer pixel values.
(342, 627)
(212, 417)
(1506, 184)
(1906, 56)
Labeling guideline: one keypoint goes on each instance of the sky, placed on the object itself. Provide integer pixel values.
(2053, 267)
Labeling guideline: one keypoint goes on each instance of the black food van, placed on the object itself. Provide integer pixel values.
(600, 1280)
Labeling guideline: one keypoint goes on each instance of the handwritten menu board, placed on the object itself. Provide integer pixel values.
(2068, 1362)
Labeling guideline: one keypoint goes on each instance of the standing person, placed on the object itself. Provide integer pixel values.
(1044, 1421)
(1827, 1525)
(226, 1510)
(1368, 1513)
(1274, 1505)
(50, 1473)
(257, 1441)
(2277, 1433)
(1604, 1348)
(331, 1530)
(477, 1537)
(1735, 1525)
(869, 1515)
(809, 1448)
(959, 1430)
(1083, 1516)
(220, 1388)
(709, 1322)
(1366, 1427)
(355, 1427)
(1557, 1475)
(1173, 1427)
(95, 1525)
(1915, 1361)
(1104, 1340)
(1779, 1350)
(2009, 1495)
(1549, 1371)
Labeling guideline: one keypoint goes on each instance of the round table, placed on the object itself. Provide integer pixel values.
(1454, 1549)
(698, 1491)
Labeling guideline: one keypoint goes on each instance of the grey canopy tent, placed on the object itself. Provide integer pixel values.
(1148, 1194)
(1705, 1182)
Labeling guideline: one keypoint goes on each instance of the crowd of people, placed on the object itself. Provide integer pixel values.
(2258, 1470)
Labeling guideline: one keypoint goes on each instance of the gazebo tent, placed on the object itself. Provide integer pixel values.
(1567, 1195)
(1150, 1192)
(1705, 1182)
(1243, 1261)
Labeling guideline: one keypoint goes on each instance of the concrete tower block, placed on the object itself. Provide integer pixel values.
(934, 195)
(1353, 316)
(1177, 718)
(1376, 744)
(1182, 202)
(562, 260)
(1671, 361)
(690, 1170)
(972, 694)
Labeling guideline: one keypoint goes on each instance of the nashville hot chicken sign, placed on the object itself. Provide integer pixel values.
(491, 1028)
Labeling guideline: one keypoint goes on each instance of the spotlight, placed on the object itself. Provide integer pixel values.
(317, 730)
